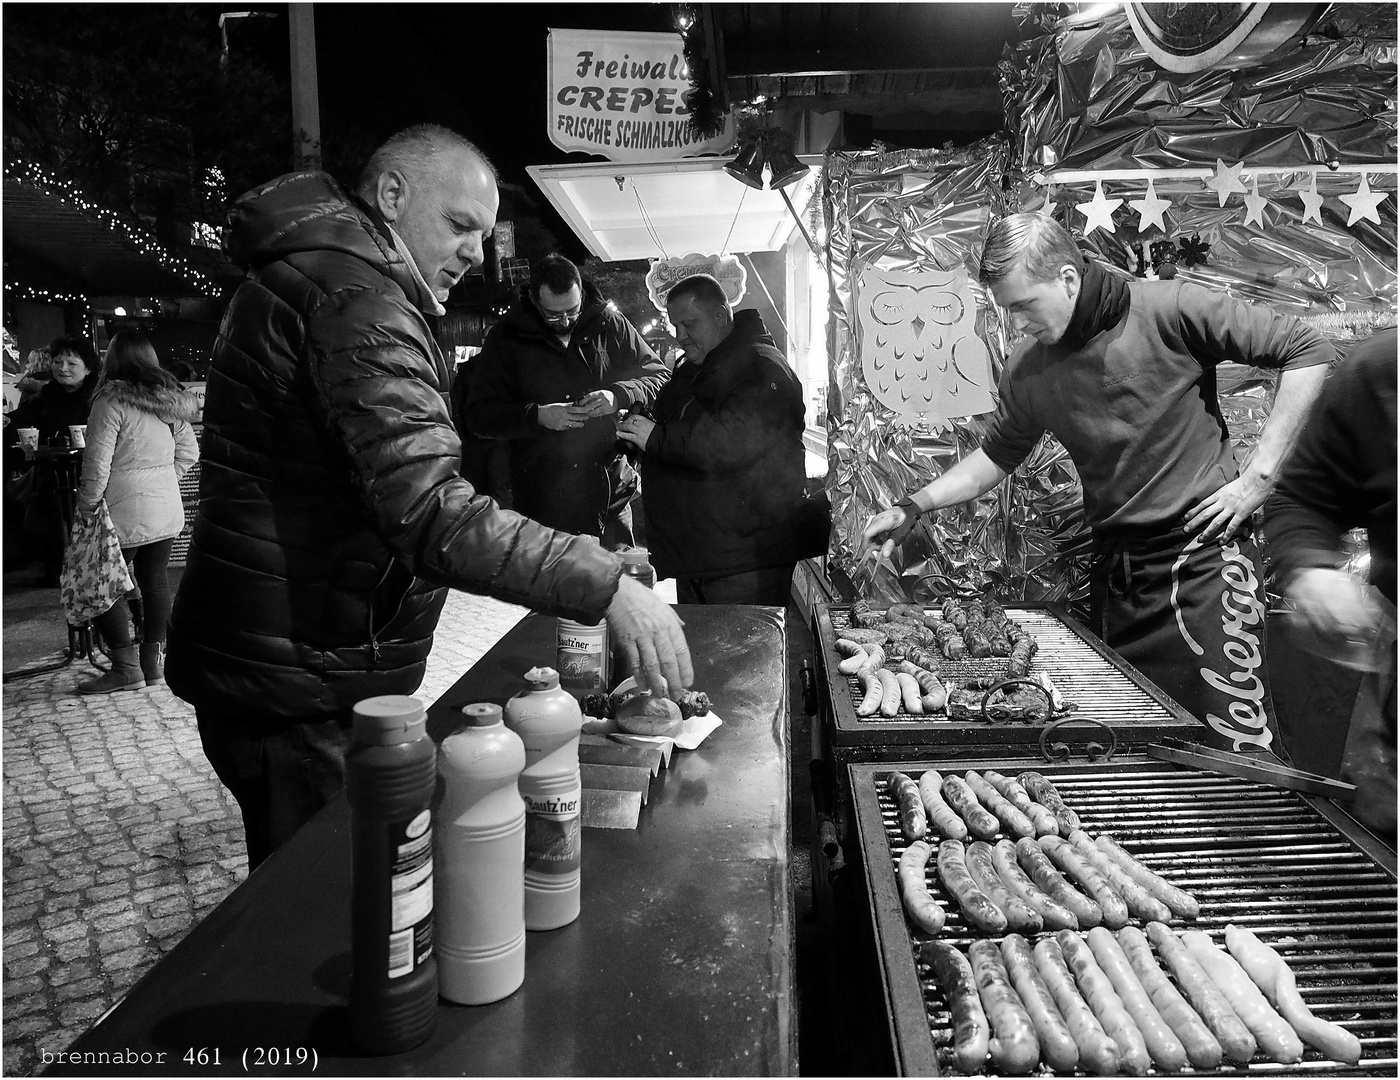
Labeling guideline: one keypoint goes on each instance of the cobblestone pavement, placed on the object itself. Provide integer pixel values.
(118, 837)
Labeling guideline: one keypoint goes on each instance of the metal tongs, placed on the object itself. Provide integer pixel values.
(1274, 773)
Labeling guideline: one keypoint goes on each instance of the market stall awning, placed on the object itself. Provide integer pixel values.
(654, 209)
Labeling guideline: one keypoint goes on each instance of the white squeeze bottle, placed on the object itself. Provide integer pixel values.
(480, 860)
(548, 721)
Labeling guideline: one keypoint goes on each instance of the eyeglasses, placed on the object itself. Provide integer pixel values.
(561, 316)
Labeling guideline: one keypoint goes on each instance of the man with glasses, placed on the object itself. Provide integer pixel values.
(551, 378)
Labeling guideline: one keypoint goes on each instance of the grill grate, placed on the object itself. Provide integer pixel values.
(1256, 856)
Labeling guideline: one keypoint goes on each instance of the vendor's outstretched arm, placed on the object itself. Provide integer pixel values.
(1222, 513)
(966, 480)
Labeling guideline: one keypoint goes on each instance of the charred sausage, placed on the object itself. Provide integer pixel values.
(1054, 916)
(1177, 900)
(977, 906)
(1057, 1047)
(980, 822)
(1202, 1048)
(1016, 822)
(1162, 1044)
(1064, 855)
(1053, 884)
(1098, 991)
(1020, 916)
(1140, 902)
(1276, 1039)
(1211, 1005)
(941, 816)
(971, 1033)
(1045, 793)
(925, 912)
(1041, 818)
(1014, 1047)
(913, 822)
(1097, 1052)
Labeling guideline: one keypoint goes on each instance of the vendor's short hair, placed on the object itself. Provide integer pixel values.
(702, 287)
(559, 273)
(1032, 242)
(79, 347)
(417, 152)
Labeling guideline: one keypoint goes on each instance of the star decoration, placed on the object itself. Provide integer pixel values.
(1047, 208)
(1226, 179)
(1254, 204)
(1150, 209)
(1365, 203)
(1098, 212)
(1312, 202)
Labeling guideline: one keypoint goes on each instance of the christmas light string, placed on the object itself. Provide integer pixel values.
(33, 176)
(44, 296)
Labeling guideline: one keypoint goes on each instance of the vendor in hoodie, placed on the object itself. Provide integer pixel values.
(551, 378)
(1123, 375)
(332, 515)
(723, 466)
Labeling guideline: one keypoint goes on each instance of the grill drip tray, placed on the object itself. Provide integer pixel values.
(1256, 856)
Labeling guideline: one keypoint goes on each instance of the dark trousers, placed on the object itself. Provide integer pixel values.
(771, 585)
(280, 774)
(1369, 758)
(149, 564)
(1191, 618)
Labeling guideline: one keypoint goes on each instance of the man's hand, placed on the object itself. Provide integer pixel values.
(636, 430)
(1220, 515)
(1335, 605)
(598, 403)
(650, 636)
(892, 526)
(562, 416)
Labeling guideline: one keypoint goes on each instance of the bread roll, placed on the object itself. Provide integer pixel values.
(643, 714)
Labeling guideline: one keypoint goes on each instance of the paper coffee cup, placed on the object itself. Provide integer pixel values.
(28, 438)
(77, 436)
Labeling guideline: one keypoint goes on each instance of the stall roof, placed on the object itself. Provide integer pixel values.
(642, 210)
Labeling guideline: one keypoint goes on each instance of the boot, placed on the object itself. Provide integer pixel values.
(125, 674)
(153, 662)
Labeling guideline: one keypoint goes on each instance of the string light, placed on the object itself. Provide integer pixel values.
(32, 175)
(43, 296)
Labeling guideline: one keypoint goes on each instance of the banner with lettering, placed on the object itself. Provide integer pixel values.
(620, 95)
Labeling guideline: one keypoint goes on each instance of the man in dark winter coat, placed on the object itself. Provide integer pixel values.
(723, 466)
(551, 378)
(1123, 374)
(331, 512)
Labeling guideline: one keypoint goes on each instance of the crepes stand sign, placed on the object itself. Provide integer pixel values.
(666, 273)
(621, 95)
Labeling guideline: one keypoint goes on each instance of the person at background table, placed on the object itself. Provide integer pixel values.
(139, 444)
(1123, 375)
(1341, 476)
(723, 466)
(62, 401)
(332, 516)
(551, 378)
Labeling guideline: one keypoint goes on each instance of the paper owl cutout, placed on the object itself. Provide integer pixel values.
(920, 352)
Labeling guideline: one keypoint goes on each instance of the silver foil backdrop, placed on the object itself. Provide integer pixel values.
(1088, 99)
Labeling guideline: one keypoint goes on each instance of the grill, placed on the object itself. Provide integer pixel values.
(1107, 690)
(1303, 877)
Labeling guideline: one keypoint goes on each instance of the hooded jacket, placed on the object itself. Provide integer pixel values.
(724, 468)
(139, 444)
(331, 510)
(564, 478)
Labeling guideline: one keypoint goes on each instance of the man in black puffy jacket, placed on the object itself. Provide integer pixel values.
(723, 464)
(331, 512)
(551, 378)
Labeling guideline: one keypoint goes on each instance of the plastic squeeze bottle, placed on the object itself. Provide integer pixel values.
(390, 777)
(548, 721)
(479, 844)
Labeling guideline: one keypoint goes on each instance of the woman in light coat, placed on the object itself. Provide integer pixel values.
(139, 444)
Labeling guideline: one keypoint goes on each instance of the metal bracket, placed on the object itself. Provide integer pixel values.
(1059, 751)
(1049, 701)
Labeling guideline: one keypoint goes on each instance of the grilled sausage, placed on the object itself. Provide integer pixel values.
(854, 654)
(1057, 1047)
(1162, 1044)
(1097, 1052)
(953, 612)
(905, 611)
(909, 692)
(1273, 976)
(1276, 1039)
(1013, 1044)
(925, 912)
(1177, 900)
(934, 695)
(1064, 855)
(1054, 916)
(941, 816)
(1098, 991)
(1018, 663)
(1236, 1041)
(1016, 822)
(913, 822)
(874, 659)
(1020, 916)
(1140, 902)
(1053, 884)
(977, 906)
(889, 693)
(971, 1033)
(1016, 795)
(874, 691)
(981, 823)
(862, 614)
(1045, 793)
(1202, 1048)
(924, 658)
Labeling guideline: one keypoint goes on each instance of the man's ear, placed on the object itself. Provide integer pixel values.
(391, 194)
(1073, 281)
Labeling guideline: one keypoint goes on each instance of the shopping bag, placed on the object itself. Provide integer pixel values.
(95, 576)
